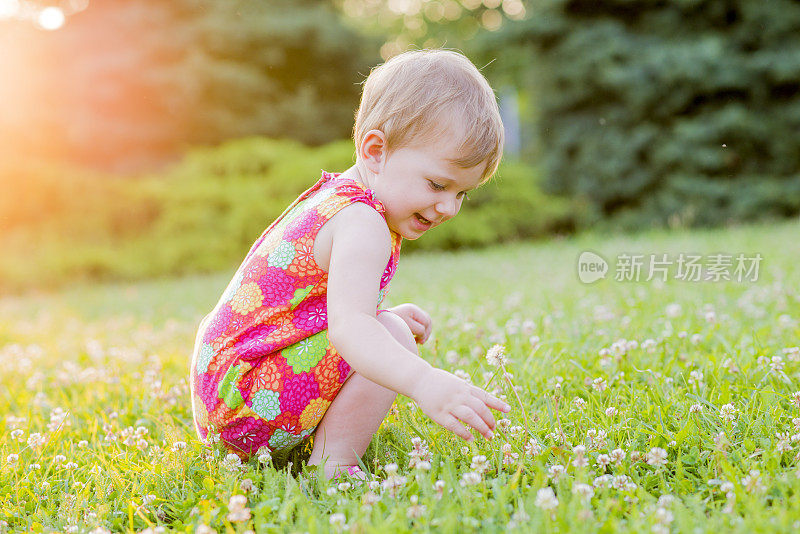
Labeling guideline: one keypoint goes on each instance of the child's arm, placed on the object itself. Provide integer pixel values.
(359, 253)
(417, 319)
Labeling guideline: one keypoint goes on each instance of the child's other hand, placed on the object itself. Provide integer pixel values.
(447, 399)
(417, 320)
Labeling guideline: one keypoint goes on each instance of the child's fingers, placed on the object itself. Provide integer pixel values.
(453, 425)
(468, 416)
(482, 411)
(490, 400)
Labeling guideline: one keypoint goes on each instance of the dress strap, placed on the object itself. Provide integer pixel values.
(326, 176)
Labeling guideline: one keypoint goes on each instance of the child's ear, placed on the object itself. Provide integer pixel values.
(373, 150)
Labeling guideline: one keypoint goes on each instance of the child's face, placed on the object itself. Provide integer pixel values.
(421, 188)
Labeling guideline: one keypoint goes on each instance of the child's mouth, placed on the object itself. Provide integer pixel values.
(422, 219)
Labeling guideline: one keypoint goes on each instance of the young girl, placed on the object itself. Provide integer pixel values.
(297, 345)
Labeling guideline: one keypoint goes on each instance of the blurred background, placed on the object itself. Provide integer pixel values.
(144, 138)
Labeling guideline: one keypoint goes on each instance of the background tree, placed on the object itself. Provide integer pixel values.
(127, 83)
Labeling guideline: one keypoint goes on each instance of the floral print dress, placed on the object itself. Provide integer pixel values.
(263, 371)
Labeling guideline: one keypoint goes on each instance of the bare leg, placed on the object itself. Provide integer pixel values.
(356, 412)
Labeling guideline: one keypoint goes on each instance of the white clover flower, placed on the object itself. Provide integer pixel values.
(711, 317)
(331, 491)
(423, 465)
(696, 408)
(12, 459)
(36, 440)
(82, 444)
(471, 478)
(728, 413)
(343, 486)
(580, 461)
(584, 491)
(603, 460)
(17, 434)
(792, 353)
(673, 310)
(611, 411)
(555, 471)
(532, 447)
(597, 438)
(546, 499)
(232, 462)
(479, 464)
(338, 520)
(649, 345)
(555, 382)
(237, 502)
(663, 516)
(695, 339)
(438, 487)
(656, 457)
(147, 499)
(205, 529)
(665, 500)
(599, 384)
(369, 498)
(496, 356)
(621, 482)
(601, 482)
(179, 446)
(752, 482)
(515, 431)
(617, 456)
(776, 364)
(579, 404)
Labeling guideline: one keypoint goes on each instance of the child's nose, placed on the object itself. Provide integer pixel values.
(448, 208)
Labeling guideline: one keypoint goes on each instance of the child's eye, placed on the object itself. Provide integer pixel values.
(435, 186)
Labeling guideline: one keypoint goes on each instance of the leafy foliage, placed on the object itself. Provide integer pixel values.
(131, 84)
(204, 213)
(677, 112)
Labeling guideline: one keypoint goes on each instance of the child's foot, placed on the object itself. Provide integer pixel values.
(343, 472)
(352, 472)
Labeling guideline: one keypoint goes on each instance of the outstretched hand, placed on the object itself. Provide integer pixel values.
(450, 401)
(418, 321)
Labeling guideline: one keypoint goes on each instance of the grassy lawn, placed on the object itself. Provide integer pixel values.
(657, 406)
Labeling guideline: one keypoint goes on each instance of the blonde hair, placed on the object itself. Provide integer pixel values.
(418, 95)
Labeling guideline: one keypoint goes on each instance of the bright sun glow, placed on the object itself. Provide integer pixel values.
(8, 8)
(51, 18)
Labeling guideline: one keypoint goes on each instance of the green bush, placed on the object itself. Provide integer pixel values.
(205, 212)
(668, 112)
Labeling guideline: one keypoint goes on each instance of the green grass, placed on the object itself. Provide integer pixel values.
(116, 356)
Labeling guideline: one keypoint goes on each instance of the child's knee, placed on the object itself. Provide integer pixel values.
(399, 330)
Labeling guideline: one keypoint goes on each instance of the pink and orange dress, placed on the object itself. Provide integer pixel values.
(263, 371)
